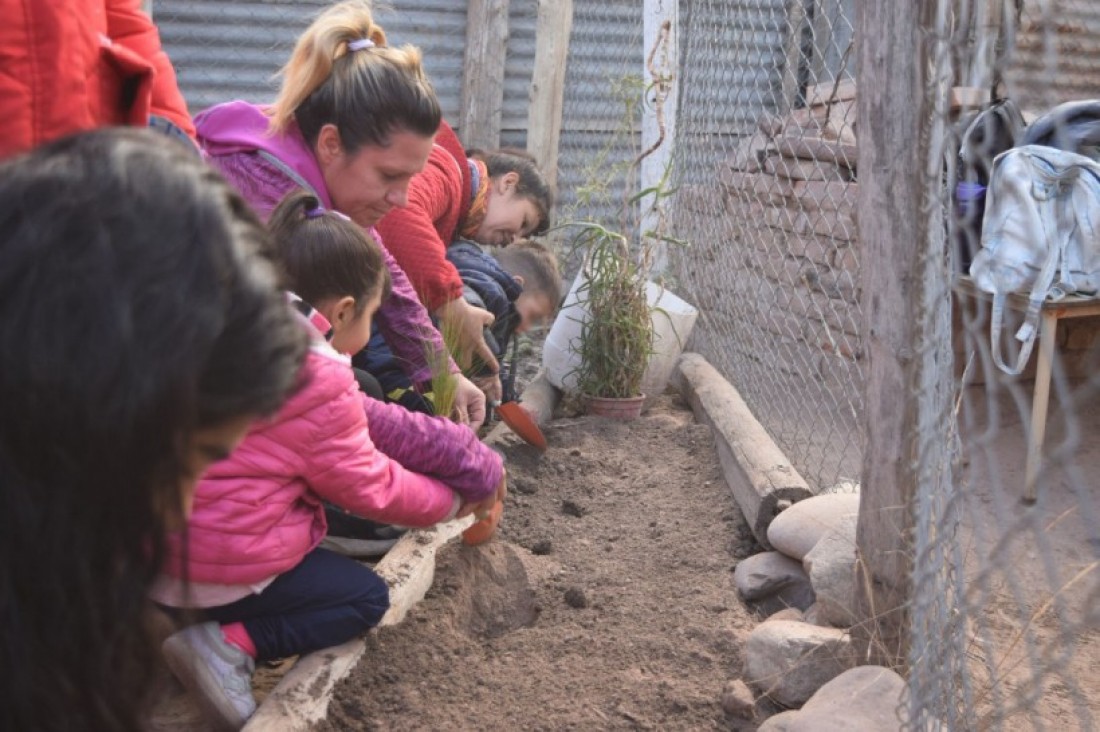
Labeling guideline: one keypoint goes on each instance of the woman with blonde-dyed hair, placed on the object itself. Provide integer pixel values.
(354, 120)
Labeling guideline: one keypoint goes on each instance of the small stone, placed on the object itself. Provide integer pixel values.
(788, 661)
(576, 598)
(787, 613)
(862, 699)
(572, 508)
(766, 574)
(831, 565)
(524, 487)
(737, 699)
(575, 452)
(542, 547)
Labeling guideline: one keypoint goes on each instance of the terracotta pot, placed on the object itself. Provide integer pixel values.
(615, 407)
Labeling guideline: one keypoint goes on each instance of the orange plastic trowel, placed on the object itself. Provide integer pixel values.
(520, 421)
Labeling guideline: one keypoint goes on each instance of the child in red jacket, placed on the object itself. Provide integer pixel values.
(253, 559)
(490, 197)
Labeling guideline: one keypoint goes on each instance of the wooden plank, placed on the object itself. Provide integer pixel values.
(661, 72)
(554, 24)
(483, 73)
(811, 148)
(830, 92)
(760, 476)
(793, 56)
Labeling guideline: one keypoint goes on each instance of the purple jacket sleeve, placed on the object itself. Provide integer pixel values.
(404, 321)
(436, 447)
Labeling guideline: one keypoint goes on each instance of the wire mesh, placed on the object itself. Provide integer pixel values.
(1002, 612)
(1004, 623)
(766, 160)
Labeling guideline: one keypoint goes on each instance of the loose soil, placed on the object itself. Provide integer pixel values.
(605, 601)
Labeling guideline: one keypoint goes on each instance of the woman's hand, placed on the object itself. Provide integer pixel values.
(463, 327)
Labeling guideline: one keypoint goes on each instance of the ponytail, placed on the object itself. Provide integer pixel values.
(342, 73)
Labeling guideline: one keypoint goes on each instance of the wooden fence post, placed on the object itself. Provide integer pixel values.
(906, 312)
(544, 111)
(483, 73)
(661, 72)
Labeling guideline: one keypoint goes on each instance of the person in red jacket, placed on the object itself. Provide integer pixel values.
(491, 198)
(70, 65)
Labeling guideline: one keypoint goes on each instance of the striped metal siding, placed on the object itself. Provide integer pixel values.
(518, 69)
(1039, 81)
(226, 51)
(733, 58)
(438, 29)
(604, 48)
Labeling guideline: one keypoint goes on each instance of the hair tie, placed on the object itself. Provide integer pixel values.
(360, 43)
(315, 212)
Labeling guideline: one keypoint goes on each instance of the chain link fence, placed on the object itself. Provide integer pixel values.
(1004, 619)
(766, 160)
(1003, 616)
(1004, 611)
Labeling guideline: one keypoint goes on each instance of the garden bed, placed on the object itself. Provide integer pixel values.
(604, 602)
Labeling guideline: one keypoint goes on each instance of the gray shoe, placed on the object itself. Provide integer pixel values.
(216, 673)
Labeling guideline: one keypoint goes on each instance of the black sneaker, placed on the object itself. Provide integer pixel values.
(354, 536)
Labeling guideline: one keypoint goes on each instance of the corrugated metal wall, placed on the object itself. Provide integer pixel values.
(226, 51)
(733, 59)
(605, 47)
(1057, 54)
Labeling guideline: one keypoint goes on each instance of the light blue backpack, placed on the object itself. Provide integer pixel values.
(1040, 236)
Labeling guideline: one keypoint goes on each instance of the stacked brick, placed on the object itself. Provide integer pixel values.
(787, 242)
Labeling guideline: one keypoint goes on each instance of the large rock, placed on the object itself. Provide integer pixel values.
(789, 660)
(765, 574)
(831, 565)
(863, 699)
(796, 530)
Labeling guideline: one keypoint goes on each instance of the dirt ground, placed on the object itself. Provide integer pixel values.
(605, 602)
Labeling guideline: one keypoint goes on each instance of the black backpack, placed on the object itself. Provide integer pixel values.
(985, 135)
(1073, 127)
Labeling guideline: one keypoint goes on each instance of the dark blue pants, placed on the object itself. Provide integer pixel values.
(324, 601)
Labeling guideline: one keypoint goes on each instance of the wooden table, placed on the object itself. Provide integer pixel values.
(1052, 311)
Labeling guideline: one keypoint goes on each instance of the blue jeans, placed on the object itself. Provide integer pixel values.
(324, 601)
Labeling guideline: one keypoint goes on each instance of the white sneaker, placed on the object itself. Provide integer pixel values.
(217, 674)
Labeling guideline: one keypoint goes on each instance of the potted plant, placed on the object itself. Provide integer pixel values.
(616, 330)
(616, 339)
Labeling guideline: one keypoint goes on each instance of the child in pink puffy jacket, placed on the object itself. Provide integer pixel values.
(252, 564)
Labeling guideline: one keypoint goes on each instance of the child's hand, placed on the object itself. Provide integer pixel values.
(480, 509)
(465, 325)
(470, 407)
